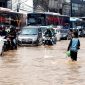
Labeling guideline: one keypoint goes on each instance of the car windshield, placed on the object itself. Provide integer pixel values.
(43, 29)
(29, 31)
(63, 31)
(79, 27)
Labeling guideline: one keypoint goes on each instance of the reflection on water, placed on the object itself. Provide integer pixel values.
(43, 65)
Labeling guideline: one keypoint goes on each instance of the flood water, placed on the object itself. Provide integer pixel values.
(43, 65)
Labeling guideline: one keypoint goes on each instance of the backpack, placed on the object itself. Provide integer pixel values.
(74, 45)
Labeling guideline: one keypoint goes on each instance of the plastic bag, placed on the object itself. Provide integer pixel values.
(68, 53)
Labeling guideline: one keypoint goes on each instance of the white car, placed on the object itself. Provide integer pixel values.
(1, 44)
(61, 33)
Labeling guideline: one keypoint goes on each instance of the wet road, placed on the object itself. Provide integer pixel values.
(43, 65)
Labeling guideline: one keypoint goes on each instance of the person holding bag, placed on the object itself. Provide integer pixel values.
(74, 46)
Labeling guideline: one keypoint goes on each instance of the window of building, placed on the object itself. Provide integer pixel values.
(75, 6)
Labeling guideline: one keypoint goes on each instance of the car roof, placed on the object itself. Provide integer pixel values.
(36, 27)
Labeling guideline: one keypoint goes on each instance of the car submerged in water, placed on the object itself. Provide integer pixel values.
(30, 35)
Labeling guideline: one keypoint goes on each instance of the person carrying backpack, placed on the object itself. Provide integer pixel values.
(74, 46)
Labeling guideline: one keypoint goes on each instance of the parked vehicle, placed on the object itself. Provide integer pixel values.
(80, 30)
(30, 35)
(61, 33)
(84, 32)
(58, 34)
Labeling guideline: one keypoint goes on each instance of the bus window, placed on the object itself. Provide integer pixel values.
(35, 19)
(31, 20)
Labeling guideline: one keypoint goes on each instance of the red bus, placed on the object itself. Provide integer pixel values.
(9, 17)
(47, 18)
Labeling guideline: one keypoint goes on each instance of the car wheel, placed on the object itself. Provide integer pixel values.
(39, 42)
(19, 44)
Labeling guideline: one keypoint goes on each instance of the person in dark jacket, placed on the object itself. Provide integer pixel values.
(69, 36)
(3, 33)
(74, 46)
(12, 36)
(48, 33)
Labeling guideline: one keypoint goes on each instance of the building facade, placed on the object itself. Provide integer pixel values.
(6, 3)
(55, 6)
(47, 5)
(74, 8)
(78, 8)
(40, 5)
(24, 6)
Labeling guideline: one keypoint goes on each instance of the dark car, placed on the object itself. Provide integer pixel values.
(30, 35)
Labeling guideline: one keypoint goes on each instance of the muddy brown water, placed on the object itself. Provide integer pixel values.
(43, 65)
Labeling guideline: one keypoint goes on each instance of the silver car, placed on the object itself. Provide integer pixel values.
(30, 35)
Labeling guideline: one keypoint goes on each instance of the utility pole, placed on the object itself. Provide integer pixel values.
(71, 14)
(18, 5)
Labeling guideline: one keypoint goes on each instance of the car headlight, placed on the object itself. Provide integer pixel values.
(44, 37)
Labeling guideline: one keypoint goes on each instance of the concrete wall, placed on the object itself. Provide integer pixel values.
(22, 5)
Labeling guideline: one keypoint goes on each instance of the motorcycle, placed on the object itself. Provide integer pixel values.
(10, 44)
(48, 40)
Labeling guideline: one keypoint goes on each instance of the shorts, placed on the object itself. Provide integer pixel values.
(73, 55)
